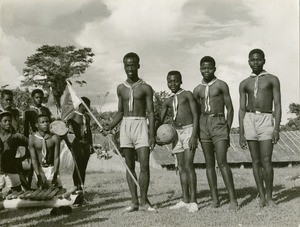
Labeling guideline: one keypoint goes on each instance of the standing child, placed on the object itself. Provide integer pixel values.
(257, 95)
(82, 144)
(35, 109)
(185, 121)
(44, 150)
(135, 98)
(7, 105)
(213, 95)
(11, 140)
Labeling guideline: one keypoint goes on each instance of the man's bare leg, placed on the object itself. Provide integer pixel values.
(257, 170)
(209, 154)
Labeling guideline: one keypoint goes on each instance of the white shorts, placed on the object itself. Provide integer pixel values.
(9, 180)
(184, 135)
(134, 132)
(48, 172)
(258, 126)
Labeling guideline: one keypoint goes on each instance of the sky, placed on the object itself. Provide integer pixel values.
(167, 35)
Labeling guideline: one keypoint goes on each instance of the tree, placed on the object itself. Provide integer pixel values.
(51, 66)
(294, 123)
(159, 99)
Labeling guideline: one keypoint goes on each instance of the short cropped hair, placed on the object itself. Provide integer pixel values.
(40, 116)
(4, 114)
(208, 59)
(131, 55)
(37, 91)
(257, 51)
(175, 72)
(86, 101)
(6, 92)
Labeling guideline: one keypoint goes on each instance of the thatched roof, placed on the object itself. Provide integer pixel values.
(286, 150)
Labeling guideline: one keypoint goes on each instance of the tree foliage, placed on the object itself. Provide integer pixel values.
(51, 66)
(294, 123)
(159, 98)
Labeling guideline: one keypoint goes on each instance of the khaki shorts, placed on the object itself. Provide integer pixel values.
(184, 135)
(48, 172)
(9, 180)
(213, 129)
(134, 132)
(258, 126)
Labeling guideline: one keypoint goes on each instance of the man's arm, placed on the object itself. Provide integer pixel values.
(150, 111)
(277, 109)
(193, 140)
(228, 105)
(242, 111)
(26, 124)
(56, 140)
(119, 115)
(35, 162)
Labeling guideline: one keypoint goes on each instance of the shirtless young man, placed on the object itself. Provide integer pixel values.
(44, 150)
(213, 95)
(185, 121)
(37, 96)
(258, 93)
(10, 141)
(134, 106)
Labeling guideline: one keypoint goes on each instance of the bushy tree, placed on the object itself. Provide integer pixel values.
(294, 123)
(51, 66)
(159, 98)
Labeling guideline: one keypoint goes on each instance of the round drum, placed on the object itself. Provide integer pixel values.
(59, 128)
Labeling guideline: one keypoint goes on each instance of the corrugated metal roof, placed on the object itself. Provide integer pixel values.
(286, 150)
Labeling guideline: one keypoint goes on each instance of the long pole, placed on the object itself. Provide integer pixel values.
(112, 142)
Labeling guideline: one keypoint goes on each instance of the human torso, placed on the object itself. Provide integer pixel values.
(184, 115)
(264, 100)
(215, 97)
(77, 124)
(11, 142)
(38, 146)
(139, 100)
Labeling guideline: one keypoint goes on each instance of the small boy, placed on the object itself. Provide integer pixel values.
(185, 121)
(7, 105)
(44, 150)
(11, 140)
(213, 95)
(82, 145)
(35, 109)
(258, 93)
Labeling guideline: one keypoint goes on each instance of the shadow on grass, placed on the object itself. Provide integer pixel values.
(287, 194)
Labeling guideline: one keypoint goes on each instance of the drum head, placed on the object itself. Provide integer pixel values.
(59, 128)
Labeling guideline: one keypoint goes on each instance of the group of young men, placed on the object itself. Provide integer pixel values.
(200, 116)
(197, 116)
(41, 146)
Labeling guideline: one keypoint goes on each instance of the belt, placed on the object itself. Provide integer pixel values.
(259, 112)
(183, 127)
(213, 114)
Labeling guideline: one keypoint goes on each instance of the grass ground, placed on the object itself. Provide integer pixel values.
(107, 195)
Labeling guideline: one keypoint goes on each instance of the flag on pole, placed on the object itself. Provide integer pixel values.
(52, 105)
(70, 102)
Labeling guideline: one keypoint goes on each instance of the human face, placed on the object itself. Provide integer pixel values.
(131, 67)
(207, 70)
(5, 123)
(43, 124)
(38, 99)
(6, 101)
(256, 62)
(174, 83)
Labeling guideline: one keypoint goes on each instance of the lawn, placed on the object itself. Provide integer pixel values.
(107, 195)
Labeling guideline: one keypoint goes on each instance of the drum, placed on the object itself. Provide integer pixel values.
(59, 128)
